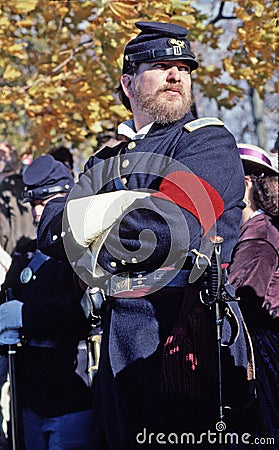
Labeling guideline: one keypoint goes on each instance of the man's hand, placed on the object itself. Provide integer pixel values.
(9, 337)
(10, 315)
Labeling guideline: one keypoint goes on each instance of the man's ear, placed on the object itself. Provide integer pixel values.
(248, 186)
(248, 182)
(126, 81)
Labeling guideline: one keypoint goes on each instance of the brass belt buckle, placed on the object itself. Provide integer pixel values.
(120, 283)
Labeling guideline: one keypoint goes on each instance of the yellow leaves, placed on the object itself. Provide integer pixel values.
(177, 5)
(246, 73)
(35, 110)
(254, 60)
(185, 21)
(11, 73)
(27, 23)
(61, 84)
(16, 49)
(254, 45)
(63, 125)
(93, 105)
(5, 96)
(4, 22)
(22, 7)
(11, 116)
(35, 87)
(123, 10)
(242, 32)
(19, 102)
(82, 10)
(119, 110)
(63, 10)
(94, 125)
(213, 71)
(54, 91)
(228, 65)
(77, 116)
(259, 9)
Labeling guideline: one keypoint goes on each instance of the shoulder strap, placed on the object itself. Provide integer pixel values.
(203, 122)
(36, 262)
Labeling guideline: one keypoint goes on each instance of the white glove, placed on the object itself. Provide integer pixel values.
(9, 337)
(10, 315)
(89, 217)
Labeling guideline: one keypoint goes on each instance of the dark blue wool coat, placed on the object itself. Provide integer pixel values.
(47, 379)
(128, 397)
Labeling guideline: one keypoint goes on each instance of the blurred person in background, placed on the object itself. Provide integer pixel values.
(254, 273)
(16, 228)
(16, 224)
(273, 155)
(64, 155)
(46, 316)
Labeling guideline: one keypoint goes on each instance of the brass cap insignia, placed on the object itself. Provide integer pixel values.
(176, 43)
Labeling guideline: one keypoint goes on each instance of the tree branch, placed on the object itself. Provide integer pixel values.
(220, 15)
(72, 53)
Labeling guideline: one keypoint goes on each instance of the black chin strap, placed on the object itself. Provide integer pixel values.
(44, 192)
(155, 54)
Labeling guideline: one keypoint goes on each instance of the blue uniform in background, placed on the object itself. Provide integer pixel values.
(51, 370)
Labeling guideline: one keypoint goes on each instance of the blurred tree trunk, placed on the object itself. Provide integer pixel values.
(257, 111)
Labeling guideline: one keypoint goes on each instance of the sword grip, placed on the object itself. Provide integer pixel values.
(213, 280)
(215, 270)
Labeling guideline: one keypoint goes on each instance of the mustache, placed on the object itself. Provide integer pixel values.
(177, 87)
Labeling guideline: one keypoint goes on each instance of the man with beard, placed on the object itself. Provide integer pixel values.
(138, 224)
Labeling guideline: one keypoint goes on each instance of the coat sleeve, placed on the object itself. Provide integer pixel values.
(53, 226)
(158, 232)
(253, 266)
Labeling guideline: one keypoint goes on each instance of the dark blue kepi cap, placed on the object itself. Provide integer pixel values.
(158, 41)
(45, 177)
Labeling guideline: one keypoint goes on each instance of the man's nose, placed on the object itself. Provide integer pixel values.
(173, 74)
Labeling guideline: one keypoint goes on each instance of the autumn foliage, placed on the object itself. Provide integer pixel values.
(61, 61)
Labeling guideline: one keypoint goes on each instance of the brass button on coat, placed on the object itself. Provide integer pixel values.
(132, 145)
(125, 163)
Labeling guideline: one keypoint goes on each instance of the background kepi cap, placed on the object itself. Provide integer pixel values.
(255, 160)
(158, 41)
(45, 177)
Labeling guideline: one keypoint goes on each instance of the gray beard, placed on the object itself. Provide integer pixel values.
(160, 110)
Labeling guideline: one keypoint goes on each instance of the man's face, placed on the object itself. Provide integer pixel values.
(38, 207)
(162, 90)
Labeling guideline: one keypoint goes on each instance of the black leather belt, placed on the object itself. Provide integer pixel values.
(137, 284)
(44, 343)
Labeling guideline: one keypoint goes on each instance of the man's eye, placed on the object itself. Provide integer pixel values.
(159, 66)
(184, 69)
(164, 66)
